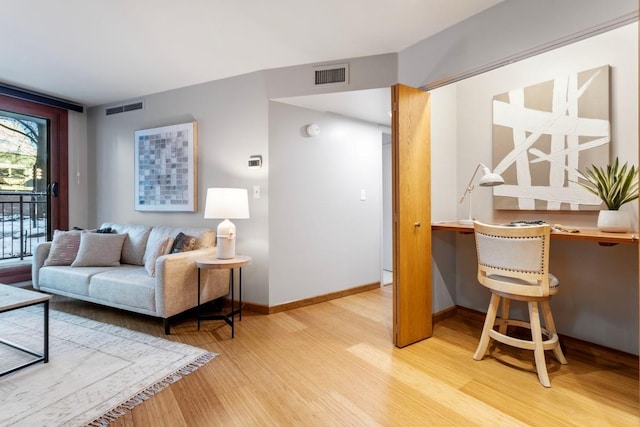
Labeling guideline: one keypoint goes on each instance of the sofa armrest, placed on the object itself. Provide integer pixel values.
(177, 282)
(40, 254)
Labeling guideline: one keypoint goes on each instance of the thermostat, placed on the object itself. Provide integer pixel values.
(255, 162)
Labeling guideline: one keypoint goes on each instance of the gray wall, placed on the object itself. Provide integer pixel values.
(599, 287)
(323, 237)
(506, 31)
(232, 116)
(234, 123)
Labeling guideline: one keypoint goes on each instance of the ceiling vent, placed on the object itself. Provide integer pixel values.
(332, 75)
(124, 108)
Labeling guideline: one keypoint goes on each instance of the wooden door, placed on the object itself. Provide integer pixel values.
(411, 182)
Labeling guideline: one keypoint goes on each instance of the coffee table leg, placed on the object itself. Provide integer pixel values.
(198, 306)
(46, 332)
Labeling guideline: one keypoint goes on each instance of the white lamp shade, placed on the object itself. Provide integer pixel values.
(490, 179)
(226, 203)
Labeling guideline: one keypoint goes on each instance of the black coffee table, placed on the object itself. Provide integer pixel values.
(14, 298)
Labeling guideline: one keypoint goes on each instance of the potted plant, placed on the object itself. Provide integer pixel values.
(615, 185)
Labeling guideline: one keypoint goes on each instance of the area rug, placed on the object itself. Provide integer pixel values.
(96, 371)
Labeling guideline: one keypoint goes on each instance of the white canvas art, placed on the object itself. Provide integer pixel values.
(543, 133)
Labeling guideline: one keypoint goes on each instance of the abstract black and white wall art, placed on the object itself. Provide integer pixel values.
(165, 168)
(543, 133)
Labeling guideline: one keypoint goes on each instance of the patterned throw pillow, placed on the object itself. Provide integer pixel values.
(183, 243)
(64, 247)
(99, 250)
(162, 249)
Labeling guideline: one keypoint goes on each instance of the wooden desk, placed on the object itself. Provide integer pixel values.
(588, 234)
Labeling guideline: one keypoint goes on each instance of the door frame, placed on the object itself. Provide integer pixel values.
(57, 156)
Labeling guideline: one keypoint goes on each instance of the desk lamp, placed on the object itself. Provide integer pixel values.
(226, 203)
(488, 179)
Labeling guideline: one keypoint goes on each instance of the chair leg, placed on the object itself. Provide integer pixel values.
(488, 325)
(504, 315)
(536, 335)
(551, 327)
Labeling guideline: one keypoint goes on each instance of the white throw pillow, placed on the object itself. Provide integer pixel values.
(162, 248)
(99, 250)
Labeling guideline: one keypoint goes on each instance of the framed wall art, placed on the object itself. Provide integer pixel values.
(166, 168)
(543, 133)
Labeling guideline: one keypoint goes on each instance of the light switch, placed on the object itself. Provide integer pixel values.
(363, 194)
(256, 191)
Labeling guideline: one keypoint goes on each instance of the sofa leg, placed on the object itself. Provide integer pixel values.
(165, 322)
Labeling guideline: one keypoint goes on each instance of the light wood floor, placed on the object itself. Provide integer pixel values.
(333, 364)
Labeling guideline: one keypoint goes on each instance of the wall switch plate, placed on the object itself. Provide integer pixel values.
(256, 191)
(363, 195)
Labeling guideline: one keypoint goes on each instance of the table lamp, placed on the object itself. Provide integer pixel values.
(488, 179)
(226, 203)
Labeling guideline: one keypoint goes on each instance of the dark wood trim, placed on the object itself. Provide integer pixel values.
(58, 153)
(15, 273)
(39, 98)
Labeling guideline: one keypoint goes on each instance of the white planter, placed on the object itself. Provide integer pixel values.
(614, 221)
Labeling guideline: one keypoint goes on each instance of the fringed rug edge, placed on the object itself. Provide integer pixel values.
(150, 391)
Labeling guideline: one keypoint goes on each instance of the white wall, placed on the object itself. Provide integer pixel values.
(599, 285)
(323, 238)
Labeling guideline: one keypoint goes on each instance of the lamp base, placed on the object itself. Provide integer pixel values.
(465, 221)
(226, 240)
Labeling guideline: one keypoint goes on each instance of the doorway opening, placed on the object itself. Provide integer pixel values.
(23, 184)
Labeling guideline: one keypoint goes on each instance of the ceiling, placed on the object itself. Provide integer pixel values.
(103, 51)
(372, 105)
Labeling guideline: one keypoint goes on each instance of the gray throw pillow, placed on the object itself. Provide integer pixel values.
(99, 250)
(183, 243)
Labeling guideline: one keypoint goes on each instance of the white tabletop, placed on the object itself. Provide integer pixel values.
(13, 297)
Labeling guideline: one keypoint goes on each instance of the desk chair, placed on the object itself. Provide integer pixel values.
(513, 263)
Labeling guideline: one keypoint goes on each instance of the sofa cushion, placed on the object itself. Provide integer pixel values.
(68, 280)
(64, 248)
(135, 244)
(125, 286)
(99, 250)
(163, 248)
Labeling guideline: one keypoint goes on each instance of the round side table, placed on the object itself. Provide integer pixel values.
(238, 262)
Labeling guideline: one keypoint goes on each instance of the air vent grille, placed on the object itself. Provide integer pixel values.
(332, 75)
(124, 108)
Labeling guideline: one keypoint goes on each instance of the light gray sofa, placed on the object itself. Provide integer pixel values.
(129, 286)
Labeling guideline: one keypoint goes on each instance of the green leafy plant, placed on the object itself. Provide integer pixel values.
(615, 185)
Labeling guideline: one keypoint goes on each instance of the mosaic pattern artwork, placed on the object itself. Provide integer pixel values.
(165, 168)
(543, 133)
